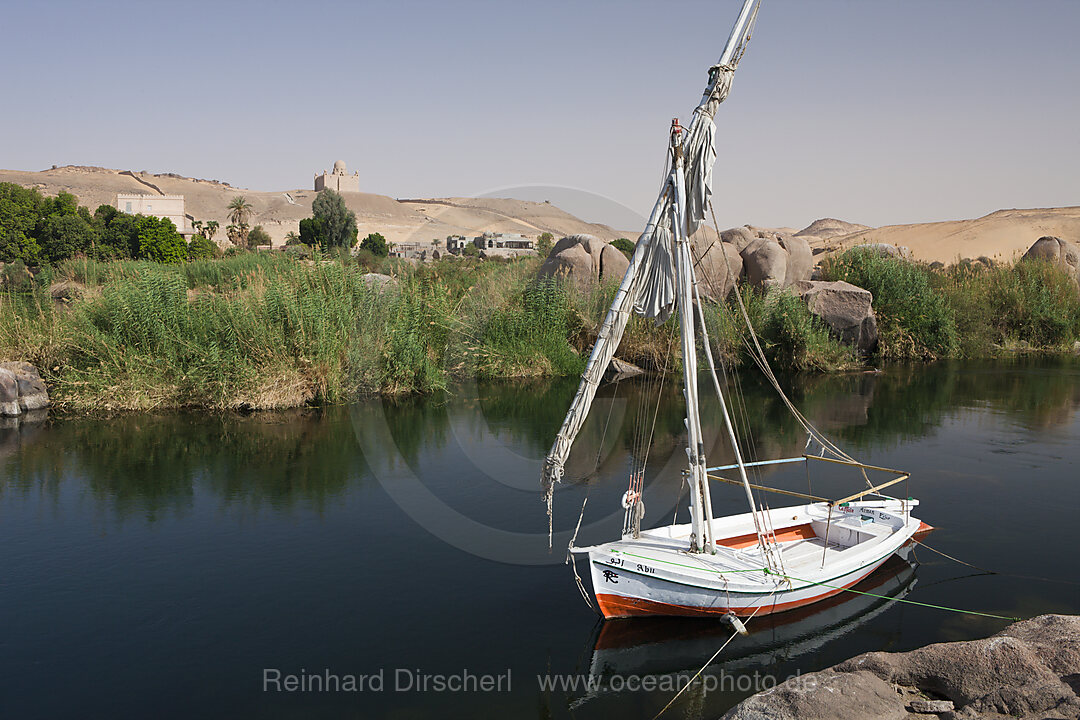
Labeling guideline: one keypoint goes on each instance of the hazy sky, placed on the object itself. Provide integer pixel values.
(875, 111)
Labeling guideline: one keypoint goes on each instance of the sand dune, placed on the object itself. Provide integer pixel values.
(1002, 235)
(830, 227)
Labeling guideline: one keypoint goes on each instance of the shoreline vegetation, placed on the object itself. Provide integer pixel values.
(255, 331)
(121, 314)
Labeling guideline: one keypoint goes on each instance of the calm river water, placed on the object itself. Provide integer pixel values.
(185, 565)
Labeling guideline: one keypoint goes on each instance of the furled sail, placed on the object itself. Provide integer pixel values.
(648, 288)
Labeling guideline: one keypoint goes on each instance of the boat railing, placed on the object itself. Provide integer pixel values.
(872, 489)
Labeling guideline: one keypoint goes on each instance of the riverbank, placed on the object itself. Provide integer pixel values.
(266, 331)
(1028, 670)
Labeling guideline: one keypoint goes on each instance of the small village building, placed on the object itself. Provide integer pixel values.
(455, 244)
(490, 244)
(416, 250)
(504, 245)
(167, 207)
(338, 179)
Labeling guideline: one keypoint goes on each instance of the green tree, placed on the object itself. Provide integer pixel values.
(471, 250)
(238, 234)
(625, 245)
(311, 232)
(376, 244)
(292, 238)
(118, 233)
(20, 209)
(159, 241)
(61, 236)
(338, 222)
(544, 243)
(239, 212)
(202, 248)
(258, 236)
(206, 229)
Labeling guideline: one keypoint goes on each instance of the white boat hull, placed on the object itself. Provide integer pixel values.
(656, 575)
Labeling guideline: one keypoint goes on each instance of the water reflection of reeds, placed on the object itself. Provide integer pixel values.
(150, 464)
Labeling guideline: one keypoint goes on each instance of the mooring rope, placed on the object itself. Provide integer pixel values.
(901, 600)
(710, 660)
(996, 572)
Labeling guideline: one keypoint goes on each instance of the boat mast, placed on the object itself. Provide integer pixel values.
(648, 287)
(701, 513)
(700, 502)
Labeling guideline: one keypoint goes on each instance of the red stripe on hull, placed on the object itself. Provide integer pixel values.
(923, 531)
(618, 606)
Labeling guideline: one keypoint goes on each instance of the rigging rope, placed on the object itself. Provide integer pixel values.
(758, 355)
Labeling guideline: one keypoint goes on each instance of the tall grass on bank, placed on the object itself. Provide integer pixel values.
(282, 342)
(914, 322)
(969, 309)
(275, 330)
(417, 335)
(529, 337)
(791, 336)
(1032, 302)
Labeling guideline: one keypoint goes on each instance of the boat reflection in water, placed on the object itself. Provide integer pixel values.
(680, 646)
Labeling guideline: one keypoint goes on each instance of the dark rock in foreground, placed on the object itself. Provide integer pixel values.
(21, 389)
(1029, 670)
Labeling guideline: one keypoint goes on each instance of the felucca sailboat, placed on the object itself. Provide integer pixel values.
(768, 559)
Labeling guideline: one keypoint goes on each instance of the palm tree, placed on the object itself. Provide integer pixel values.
(239, 210)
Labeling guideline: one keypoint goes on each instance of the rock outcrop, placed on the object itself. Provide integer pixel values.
(886, 250)
(845, 308)
(21, 389)
(829, 228)
(379, 282)
(621, 370)
(715, 280)
(584, 259)
(66, 291)
(1060, 252)
(9, 394)
(1029, 670)
(765, 263)
(777, 261)
(740, 237)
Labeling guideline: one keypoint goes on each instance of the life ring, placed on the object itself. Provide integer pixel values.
(634, 499)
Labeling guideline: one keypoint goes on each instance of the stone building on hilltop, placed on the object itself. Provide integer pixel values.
(338, 179)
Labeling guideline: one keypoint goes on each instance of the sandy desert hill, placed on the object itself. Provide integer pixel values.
(829, 228)
(281, 212)
(1003, 235)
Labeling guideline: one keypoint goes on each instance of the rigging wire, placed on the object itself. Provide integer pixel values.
(758, 355)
